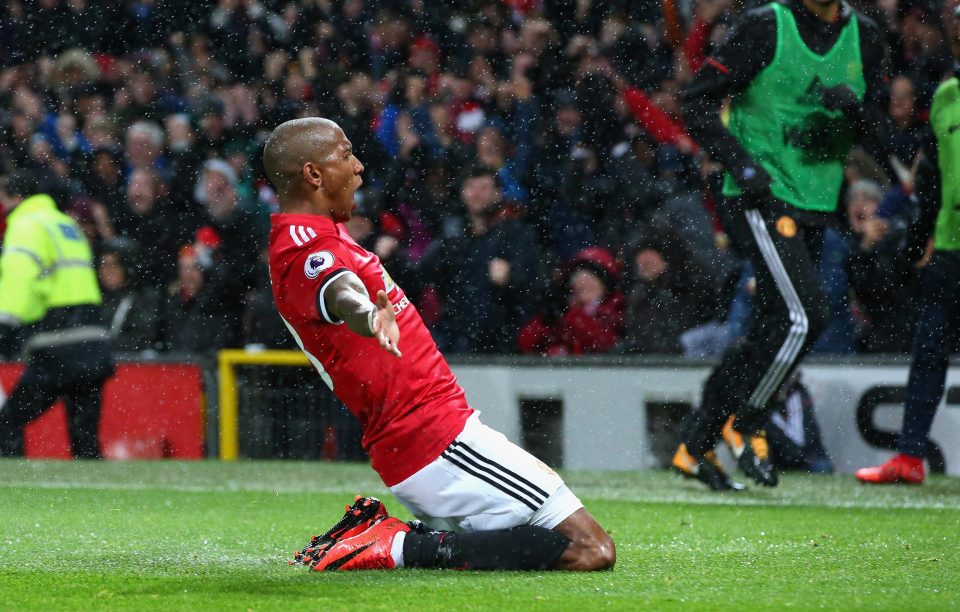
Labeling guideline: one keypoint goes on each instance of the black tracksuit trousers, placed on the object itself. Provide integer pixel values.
(789, 314)
(76, 373)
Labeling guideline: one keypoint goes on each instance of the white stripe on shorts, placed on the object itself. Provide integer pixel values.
(495, 475)
(482, 481)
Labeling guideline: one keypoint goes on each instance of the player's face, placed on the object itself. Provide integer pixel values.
(341, 178)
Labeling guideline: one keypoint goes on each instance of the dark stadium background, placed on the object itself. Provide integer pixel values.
(148, 117)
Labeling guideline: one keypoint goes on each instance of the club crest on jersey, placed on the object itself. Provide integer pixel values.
(388, 284)
(787, 227)
(317, 263)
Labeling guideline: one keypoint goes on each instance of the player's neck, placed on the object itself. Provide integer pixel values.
(824, 12)
(303, 206)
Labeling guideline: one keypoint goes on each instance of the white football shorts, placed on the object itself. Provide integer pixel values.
(482, 481)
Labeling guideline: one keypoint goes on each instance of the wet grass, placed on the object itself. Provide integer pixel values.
(208, 535)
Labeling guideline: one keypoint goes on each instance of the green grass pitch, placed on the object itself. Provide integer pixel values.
(216, 536)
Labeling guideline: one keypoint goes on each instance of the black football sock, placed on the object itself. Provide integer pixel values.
(521, 548)
(749, 423)
(702, 430)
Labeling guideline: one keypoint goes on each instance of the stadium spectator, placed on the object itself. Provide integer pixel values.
(143, 148)
(905, 139)
(131, 313)
(592, 320)
(667, 293)
(709, 26)
(489, 260)
(146, 220)
(194, 317)
(103, 180)
(185, 159)
(93, 220)
(882, 283)
(553, 204)
(261, 327)
(236, 227)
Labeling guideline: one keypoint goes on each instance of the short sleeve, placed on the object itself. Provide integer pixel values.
(308, 272)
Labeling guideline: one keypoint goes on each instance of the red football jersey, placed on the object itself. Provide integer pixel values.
(410, 408)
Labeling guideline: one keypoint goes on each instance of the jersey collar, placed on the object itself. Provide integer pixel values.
(318, 221)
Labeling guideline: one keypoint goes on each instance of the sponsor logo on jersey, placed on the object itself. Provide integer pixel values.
(301, 234)
(787, 227)
(400, 306)
(317, 263)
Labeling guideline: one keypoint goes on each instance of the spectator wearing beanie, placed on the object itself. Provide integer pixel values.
(592, 321)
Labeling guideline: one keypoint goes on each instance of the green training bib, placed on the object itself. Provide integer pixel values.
(945, 120)
(781, 121)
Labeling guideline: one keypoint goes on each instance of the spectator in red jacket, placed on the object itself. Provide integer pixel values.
(592, 321)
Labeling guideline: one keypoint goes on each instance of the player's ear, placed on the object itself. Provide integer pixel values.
(312, 175)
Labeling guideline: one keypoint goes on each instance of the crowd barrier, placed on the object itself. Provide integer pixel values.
(150, 410)
(605, 404)
(593, 413)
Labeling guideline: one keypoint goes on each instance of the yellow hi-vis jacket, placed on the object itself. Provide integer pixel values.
(47, 276)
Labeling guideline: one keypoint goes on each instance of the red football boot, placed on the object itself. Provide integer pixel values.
(364, 512)
(900, 469)
(369, 550)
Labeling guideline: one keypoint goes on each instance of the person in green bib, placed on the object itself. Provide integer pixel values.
(50, 304)
(938, 192)
(805, 81)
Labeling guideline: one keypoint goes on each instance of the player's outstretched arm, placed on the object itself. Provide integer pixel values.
(346, 299)
(384, 325)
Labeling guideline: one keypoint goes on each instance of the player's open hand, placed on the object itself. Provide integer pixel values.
(385, 328)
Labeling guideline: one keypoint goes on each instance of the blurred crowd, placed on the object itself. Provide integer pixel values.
(529, 180)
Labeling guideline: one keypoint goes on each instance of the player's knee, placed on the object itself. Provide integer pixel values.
(598, 553)
(605, 554)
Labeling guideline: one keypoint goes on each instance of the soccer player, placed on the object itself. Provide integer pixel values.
(805, 78)
(484, 502)
(938, 189)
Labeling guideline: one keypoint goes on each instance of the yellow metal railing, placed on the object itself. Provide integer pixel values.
(227, 361)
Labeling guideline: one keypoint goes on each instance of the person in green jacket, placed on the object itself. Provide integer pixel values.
(805, 80)
(938, 192)
(50, 306)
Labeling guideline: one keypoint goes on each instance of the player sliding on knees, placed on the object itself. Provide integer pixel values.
(484, 503)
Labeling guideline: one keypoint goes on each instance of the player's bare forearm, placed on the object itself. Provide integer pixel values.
(347, 300)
